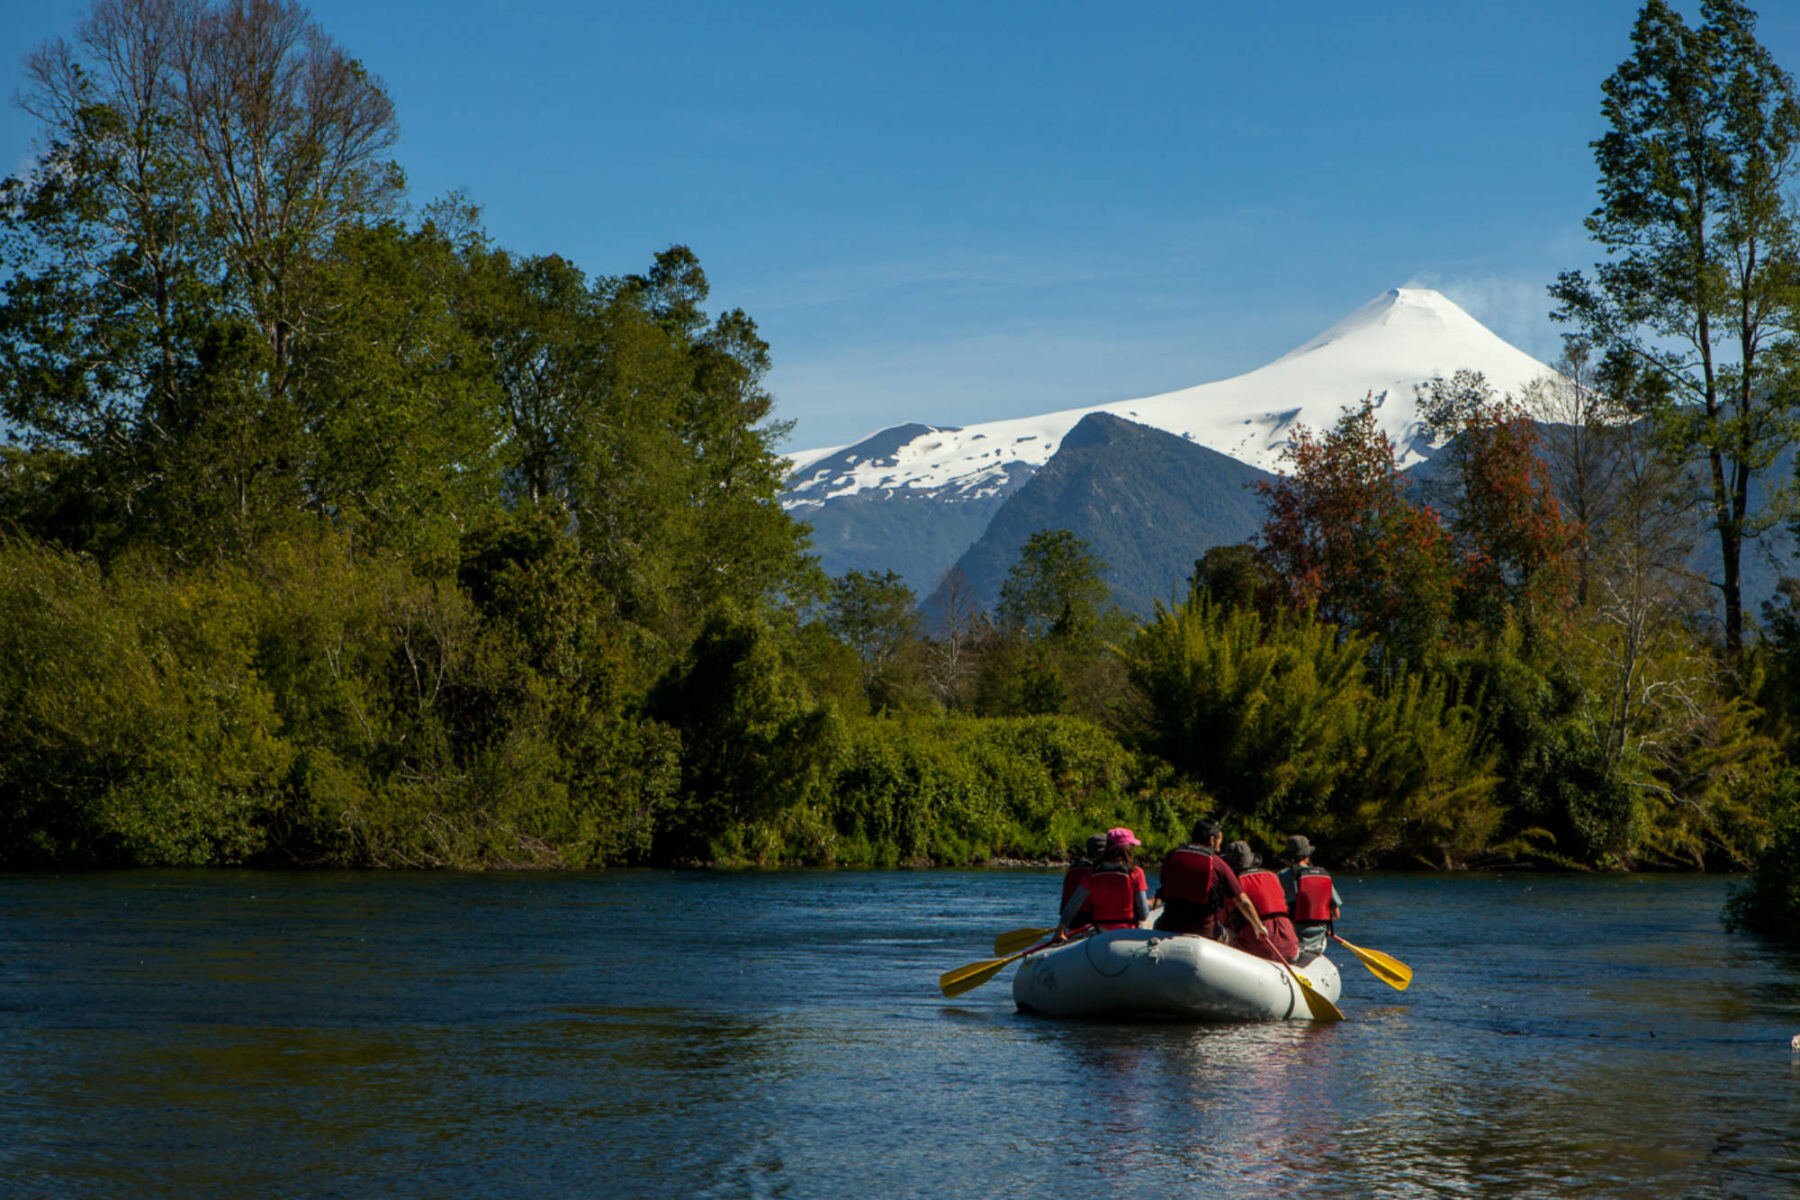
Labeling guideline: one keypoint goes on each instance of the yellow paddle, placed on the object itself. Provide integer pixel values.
(970, 976)
(1319, 1006)
(1017, 939)
(1384, 967)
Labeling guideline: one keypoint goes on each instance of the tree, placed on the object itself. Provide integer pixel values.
(876, 616)
(1509, 532)
(748, 549)
(1583, 421)
(1343, 538)
(1234, 576)
(962, 628)
(753, 741)
(1057, 588)
(406, 430)
(1699, 286)
(197, 160)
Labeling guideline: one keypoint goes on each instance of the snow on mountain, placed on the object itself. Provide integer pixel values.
(1398, 340)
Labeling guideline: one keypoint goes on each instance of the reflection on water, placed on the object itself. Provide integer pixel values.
(246, 1034)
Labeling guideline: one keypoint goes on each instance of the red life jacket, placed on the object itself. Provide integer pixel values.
(1188, 874)
(1111, 892)
(1312, 897)
(1074, 878)
(1264, 890)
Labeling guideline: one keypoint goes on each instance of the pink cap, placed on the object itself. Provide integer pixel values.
(1121, 837)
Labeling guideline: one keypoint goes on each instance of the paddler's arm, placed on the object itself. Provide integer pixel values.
(1077, 899)
(1140, 907)
(1251, 918)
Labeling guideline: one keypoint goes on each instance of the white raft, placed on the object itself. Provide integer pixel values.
(1146, 973)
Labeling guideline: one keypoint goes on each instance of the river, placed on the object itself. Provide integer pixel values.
(639, 1034)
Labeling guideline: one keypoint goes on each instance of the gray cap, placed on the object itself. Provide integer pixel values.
(1297, 848)
(1239, 856)
(1096, 845)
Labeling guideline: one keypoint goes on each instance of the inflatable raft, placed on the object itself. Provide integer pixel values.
(1144, 973)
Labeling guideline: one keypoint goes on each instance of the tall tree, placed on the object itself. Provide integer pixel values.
(747, 548)
(196, 160)
(1512, 540)
(1057, 588)
(1343, 537)
(1699, 286)
(875, 615)
(1583, 421)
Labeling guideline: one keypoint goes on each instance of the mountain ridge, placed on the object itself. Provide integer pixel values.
(914, 497)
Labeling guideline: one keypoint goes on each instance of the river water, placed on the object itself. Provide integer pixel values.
(663, 1035)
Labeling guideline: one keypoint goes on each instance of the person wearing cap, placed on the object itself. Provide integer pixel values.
(1079, 869)
(1313, 900)
(1263, 890)
(1197, 887)
(1115, 893)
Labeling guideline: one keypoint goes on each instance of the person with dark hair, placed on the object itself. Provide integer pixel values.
(1264, 892)
(1114, 894)
(1313, 900)
(1079, 869)
(1197, 887)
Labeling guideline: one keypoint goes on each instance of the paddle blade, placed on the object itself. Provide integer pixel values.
(970, 976)
(1384, 967)
(1015, 940)
(1320, 1008)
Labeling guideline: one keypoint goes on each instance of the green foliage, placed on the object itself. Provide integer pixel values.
(1235, 576)
(1278, 720)
(1695, 216)
(958, 790)
(754, 743)
(1057, 588)
(875, 615)
(398, 394)
(1769, 902)
(136, 729)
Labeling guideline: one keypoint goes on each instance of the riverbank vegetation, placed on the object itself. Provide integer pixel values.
(333, 533)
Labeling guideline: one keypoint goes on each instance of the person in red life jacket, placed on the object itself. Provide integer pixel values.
(1264, 891)
(1078, 871)
(1197, 887)
(1115, 894)
(1313, 900)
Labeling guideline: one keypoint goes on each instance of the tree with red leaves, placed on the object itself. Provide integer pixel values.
(1514, 548)
(1345, 540)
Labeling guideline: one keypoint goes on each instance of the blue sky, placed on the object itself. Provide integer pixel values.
(957, 212)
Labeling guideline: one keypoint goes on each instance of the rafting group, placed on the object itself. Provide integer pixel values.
(1222, 939)
(1206, 888)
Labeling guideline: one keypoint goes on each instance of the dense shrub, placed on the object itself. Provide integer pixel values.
(136, 728)
(953, 791)
(1282, 722)
(1769, 902)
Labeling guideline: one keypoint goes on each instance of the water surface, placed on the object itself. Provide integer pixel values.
(661, 1035)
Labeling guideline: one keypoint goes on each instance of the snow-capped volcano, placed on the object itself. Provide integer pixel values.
(1384, 349)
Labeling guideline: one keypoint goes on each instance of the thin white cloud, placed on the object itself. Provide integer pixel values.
(1514, 305)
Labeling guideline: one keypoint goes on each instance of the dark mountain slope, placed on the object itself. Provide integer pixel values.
(1148, 502)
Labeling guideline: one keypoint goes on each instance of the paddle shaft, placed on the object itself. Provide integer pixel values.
(970, 976)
